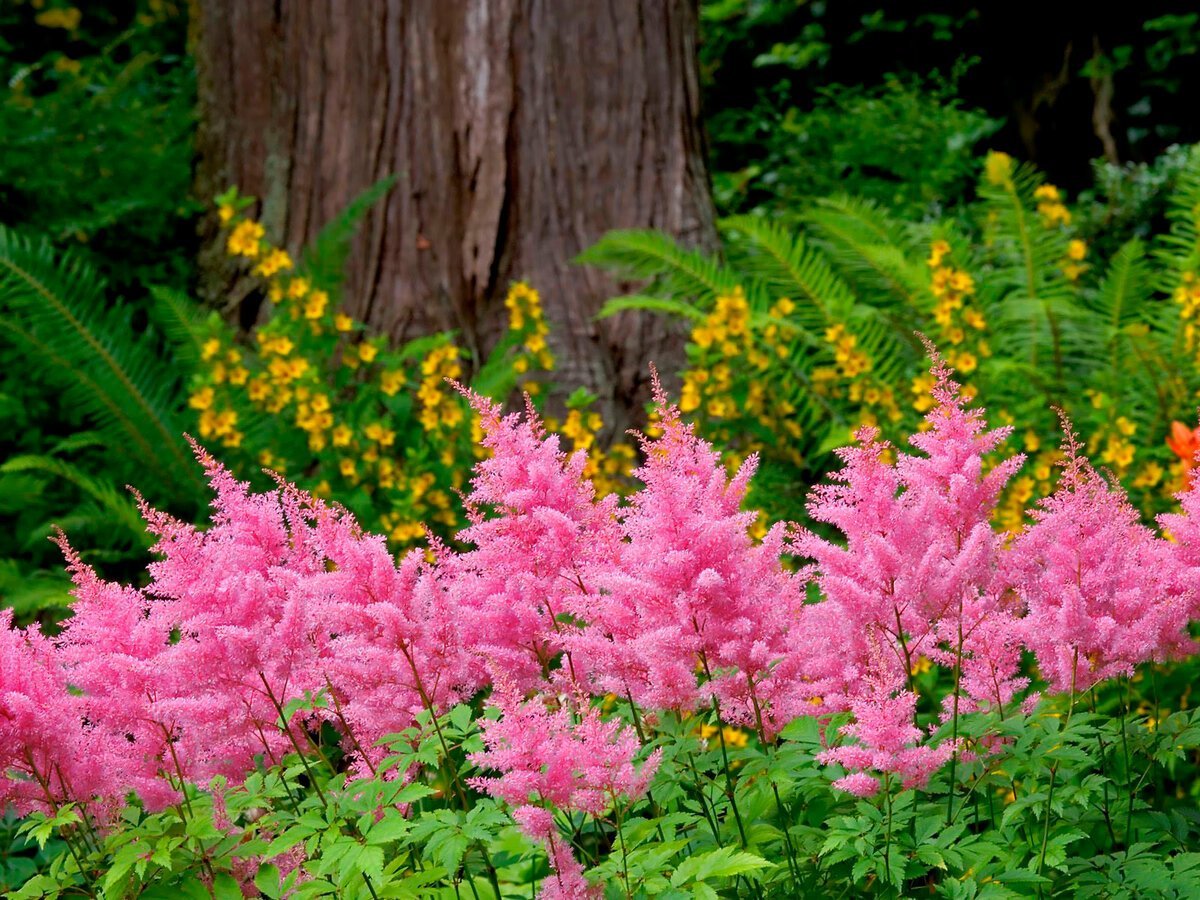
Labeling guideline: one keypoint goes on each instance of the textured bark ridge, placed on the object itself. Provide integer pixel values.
(520, 130)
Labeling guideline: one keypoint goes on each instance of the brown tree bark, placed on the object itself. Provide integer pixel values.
(520, 130)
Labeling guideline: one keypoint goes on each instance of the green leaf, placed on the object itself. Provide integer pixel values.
(725, 862)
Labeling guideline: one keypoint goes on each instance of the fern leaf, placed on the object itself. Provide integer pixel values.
(120, 512)
(181, 321)
(54, 306)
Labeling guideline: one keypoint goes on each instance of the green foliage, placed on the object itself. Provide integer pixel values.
(56, 308)
(1032, 316)
(1074, 799)
(97, 115)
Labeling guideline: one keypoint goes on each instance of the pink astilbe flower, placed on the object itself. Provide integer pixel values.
(112, 651)
(400, 646)
(690, 589)
(1101, 589)
(250, 631)
(887, 742)
(528, 560)
(50, 752)
(562, 759)
(918, 572)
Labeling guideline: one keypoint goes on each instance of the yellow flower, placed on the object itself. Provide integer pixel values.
(314, 307)
(275, 261)
(342, 435)
(367, 352)
(346, 467)
(1076, 249)
(258, 389)
(211, 348)
(343, 322)
(202, 399)
(391, 382)
(998, 167)
(298, 288)
(244, 239)
(225, 213)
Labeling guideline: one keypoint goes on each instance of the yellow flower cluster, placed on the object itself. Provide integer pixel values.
(1050, 206)
(998, 168)
(245, 239)
(441, 409)
(1187, 295)
(527, 320)
(851, 362)
(960, 320)
(1114, 444)
(1074, 265)
(1036, 480)
(733, 737)
(853, 366)
(718, 384)
(330, 391)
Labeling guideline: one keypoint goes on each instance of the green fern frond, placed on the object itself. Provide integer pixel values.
(679, 308)
(53, 306)
(646, 255)
(872, 251)
(117, 507)
(33, 595)
(181, 321)
(789, 267)
(1124, 295)
(325, 258)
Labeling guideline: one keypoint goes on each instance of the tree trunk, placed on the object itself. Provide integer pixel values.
(520, 131)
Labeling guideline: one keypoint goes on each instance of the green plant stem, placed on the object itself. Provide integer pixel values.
(1054, 769)
(954, 733)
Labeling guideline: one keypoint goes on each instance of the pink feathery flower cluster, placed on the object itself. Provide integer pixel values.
(1102, 591)
(889, 743)
(560, 756)
(917, 575)
(530, 559)
(690, 590)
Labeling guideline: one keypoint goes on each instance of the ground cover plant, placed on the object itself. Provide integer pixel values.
(627, 698)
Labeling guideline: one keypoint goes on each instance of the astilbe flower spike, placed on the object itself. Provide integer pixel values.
(917, 576)
(529, 560)
(50, 752)
(559, 753)
(1101, 588)
(689, 589)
